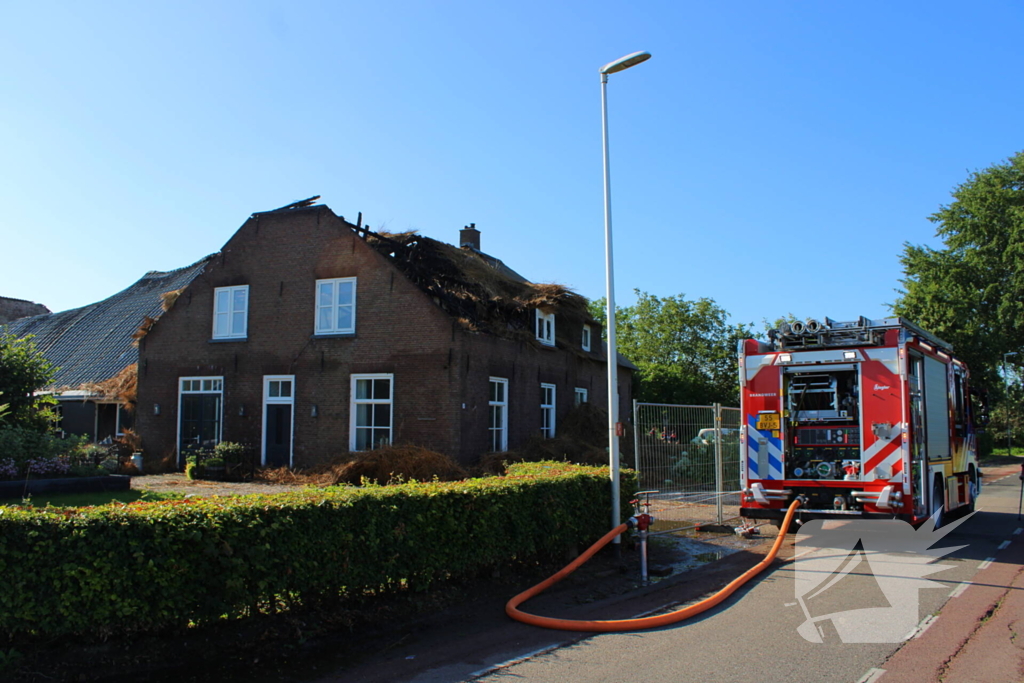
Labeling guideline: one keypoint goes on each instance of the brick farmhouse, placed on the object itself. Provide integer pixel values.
(307, 336)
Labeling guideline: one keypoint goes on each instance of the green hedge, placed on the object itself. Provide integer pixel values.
(152, 566)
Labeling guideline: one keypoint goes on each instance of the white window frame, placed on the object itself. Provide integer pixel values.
(231, 333)
(586, 337)
(216, 386)
(278, 400)
(503, 405)
(581, 395)
(334, 329)
(547, 411)
(544, 328)
(354, 402)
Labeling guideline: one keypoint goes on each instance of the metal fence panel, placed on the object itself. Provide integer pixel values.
(691, 456)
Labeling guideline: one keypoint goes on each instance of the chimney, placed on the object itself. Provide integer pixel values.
(469, 236)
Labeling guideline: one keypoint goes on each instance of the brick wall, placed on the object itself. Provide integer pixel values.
(438, 367)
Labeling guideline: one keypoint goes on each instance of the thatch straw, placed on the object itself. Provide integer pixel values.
(481, 294)
(122, 387)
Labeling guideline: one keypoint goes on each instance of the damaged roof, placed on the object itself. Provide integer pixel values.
(478, 290)
(94, 343)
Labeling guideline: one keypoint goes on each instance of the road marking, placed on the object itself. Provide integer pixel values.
(515, 660)
(806, 552)
(922, 627)
(986, 563)
(1017, 532)
(959, 590)
(1004, 545)
(926, 624)
(871, 676)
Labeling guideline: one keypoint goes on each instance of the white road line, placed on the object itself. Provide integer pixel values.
(1004, 545)
(925, 625)
(986, 563)
(515, 660)
(1018, 531)
(959, 590)
(871, 676)
(919, 629)
(806, 552)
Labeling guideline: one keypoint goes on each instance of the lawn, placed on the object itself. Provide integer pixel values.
(66, 500)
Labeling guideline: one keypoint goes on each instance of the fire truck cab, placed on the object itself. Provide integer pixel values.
(869, 418)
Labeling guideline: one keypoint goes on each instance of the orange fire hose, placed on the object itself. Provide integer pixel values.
(644, 622)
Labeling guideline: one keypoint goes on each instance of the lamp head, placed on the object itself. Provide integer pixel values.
(624, 63)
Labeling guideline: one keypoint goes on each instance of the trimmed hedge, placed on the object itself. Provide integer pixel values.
(146, 567)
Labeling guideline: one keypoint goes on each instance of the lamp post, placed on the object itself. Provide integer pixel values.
(620, 64)
(1006, 381)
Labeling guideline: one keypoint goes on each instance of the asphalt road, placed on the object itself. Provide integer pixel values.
(753, 637)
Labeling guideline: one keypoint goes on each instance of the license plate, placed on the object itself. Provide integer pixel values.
(768, 421)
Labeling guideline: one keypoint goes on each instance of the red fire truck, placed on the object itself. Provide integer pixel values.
(869, 418)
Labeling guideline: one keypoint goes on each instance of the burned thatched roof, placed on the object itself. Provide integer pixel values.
(476, 289)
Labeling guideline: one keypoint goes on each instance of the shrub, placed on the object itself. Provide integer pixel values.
(197, 561)
(27, 452)
(230, 453)
(193, 470)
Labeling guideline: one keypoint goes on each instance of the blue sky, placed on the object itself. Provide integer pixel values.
(773, 156)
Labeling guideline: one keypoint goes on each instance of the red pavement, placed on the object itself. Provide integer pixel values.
(979, 636)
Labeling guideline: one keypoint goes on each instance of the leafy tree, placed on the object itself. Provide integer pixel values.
(686, 350)
(971, 292)
(24, 370)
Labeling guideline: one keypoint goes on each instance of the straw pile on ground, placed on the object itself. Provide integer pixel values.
(387, 465)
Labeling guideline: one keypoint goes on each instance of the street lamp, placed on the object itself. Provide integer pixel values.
(1006, 381)
(613, 365)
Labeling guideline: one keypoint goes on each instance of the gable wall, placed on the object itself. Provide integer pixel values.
(280, 256)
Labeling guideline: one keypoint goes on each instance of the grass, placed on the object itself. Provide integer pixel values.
(66, 500)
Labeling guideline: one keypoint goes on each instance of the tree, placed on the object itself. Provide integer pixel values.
(685, 350)
(971, 292)
(23, 371)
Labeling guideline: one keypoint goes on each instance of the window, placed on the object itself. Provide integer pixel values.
(581, 395)
(370, 420)
(545, 328)
(230, 308)
(200, 401)
(547, 411)
(586, 337)
(336, 306)
(498, 403)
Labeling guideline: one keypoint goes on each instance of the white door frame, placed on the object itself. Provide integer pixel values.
(278, 400)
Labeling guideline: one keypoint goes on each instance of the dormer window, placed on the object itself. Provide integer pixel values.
(545, 328)
(586, 338)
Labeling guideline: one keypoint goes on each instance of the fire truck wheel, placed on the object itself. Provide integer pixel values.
(938, 504)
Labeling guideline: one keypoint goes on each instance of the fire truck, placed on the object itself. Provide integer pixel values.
(868, 418)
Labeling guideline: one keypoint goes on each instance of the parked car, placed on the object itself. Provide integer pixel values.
(707, 436)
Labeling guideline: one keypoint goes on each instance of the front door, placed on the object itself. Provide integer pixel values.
(200, 421)
(200, 414)
(278, 408)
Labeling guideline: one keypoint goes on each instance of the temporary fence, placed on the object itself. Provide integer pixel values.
(690, 455)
